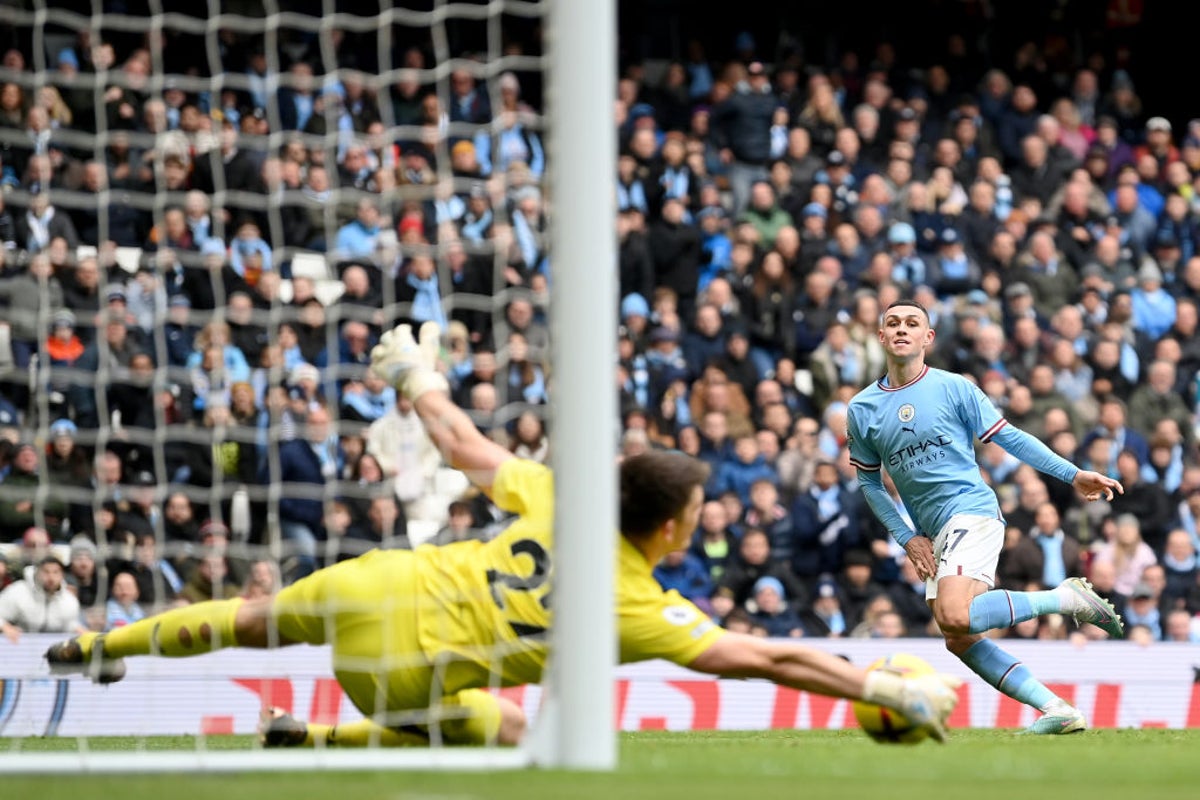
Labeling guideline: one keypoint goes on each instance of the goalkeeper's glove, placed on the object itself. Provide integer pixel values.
(408, 365)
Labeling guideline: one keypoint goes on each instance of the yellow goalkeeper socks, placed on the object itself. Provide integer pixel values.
(362, 733)
(187, 631)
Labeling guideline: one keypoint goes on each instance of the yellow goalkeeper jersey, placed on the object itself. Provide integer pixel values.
(486, 607)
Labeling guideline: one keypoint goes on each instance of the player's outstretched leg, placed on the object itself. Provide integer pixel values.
(471, 717)
(187, 631)
(277, 728)
(1003, 609)
(85, 654)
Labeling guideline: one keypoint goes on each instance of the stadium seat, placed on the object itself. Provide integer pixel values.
(285, 291)
(128, 258)
(450, 483)
(421, 531)
(6, 354)
(328, 291)
(310, 265)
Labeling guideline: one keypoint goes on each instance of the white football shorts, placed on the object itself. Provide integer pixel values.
(970, 545)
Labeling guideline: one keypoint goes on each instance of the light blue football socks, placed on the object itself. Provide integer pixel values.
(1007, 674)
(1003, 609)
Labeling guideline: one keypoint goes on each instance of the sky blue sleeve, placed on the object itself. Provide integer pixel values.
(862, 451)
(978, 411)
(871, 483)
(1034, 453)
(870, 479)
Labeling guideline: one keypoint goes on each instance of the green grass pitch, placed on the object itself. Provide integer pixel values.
(975, 765)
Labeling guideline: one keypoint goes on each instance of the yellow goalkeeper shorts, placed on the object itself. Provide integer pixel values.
(366, 608)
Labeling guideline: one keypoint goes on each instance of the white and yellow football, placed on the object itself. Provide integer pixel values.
(884, 724)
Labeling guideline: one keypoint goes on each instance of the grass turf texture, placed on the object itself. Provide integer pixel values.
(977, 764)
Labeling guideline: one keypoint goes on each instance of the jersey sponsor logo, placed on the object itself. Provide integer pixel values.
(906, 412)
(922, 453)
(704, 627)
(678, 615)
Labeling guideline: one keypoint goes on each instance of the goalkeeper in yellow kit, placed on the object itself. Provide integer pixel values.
(418, 635)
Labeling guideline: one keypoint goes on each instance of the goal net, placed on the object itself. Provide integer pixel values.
(218, 209)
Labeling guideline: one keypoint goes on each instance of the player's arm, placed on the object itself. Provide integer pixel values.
(738, 655)
(458, 440)
(1036, 454)
(412, 368)
(869, 467)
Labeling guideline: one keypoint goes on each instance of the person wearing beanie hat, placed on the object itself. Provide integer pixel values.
(774, 584)
(1153, 306)
(63, 345)
(635, 317)
(63, 427)
(634, 305)
(772, 612)
(81, 570)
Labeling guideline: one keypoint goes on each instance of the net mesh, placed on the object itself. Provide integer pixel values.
(216, 210)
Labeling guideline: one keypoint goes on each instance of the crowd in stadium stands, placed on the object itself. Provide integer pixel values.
(215, 387)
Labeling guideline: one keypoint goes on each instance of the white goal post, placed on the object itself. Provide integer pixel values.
(575, 726)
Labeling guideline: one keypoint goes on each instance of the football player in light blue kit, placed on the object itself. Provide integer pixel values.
(920, 424)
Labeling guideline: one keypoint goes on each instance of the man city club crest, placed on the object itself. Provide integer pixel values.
(906, 412)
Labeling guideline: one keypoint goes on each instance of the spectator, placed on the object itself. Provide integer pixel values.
(773, 613)
(359, 237)
(1142, 610)
(1060, 554)
(684, 572)
(122, 607)
(43, 223)
(746, 466)
(1127, 553)
(404, 451)
(826, 520)
(310, 462)
(18, 509)
(825, 618)
(209, 580)
(714, 543)
(754, 561)
(32, 298)
(1179, 565)
(741, 126)
(39, 605)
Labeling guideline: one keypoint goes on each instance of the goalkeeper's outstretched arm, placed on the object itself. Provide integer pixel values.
(460, 442)
(411, 367)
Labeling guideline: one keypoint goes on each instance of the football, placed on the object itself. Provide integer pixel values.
(884, 724)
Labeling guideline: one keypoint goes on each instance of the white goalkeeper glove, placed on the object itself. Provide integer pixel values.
(408, 365)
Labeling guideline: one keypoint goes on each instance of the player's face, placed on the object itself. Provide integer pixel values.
(905, 332)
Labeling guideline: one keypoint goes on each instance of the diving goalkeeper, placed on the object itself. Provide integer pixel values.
(418, 635)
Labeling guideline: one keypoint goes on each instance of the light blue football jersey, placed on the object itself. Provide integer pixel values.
(923, 434)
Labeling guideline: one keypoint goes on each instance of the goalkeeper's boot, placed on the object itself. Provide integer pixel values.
(928, 701)
(1082, 602)
(277, 728)
(1059, 717)
(84, 654)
